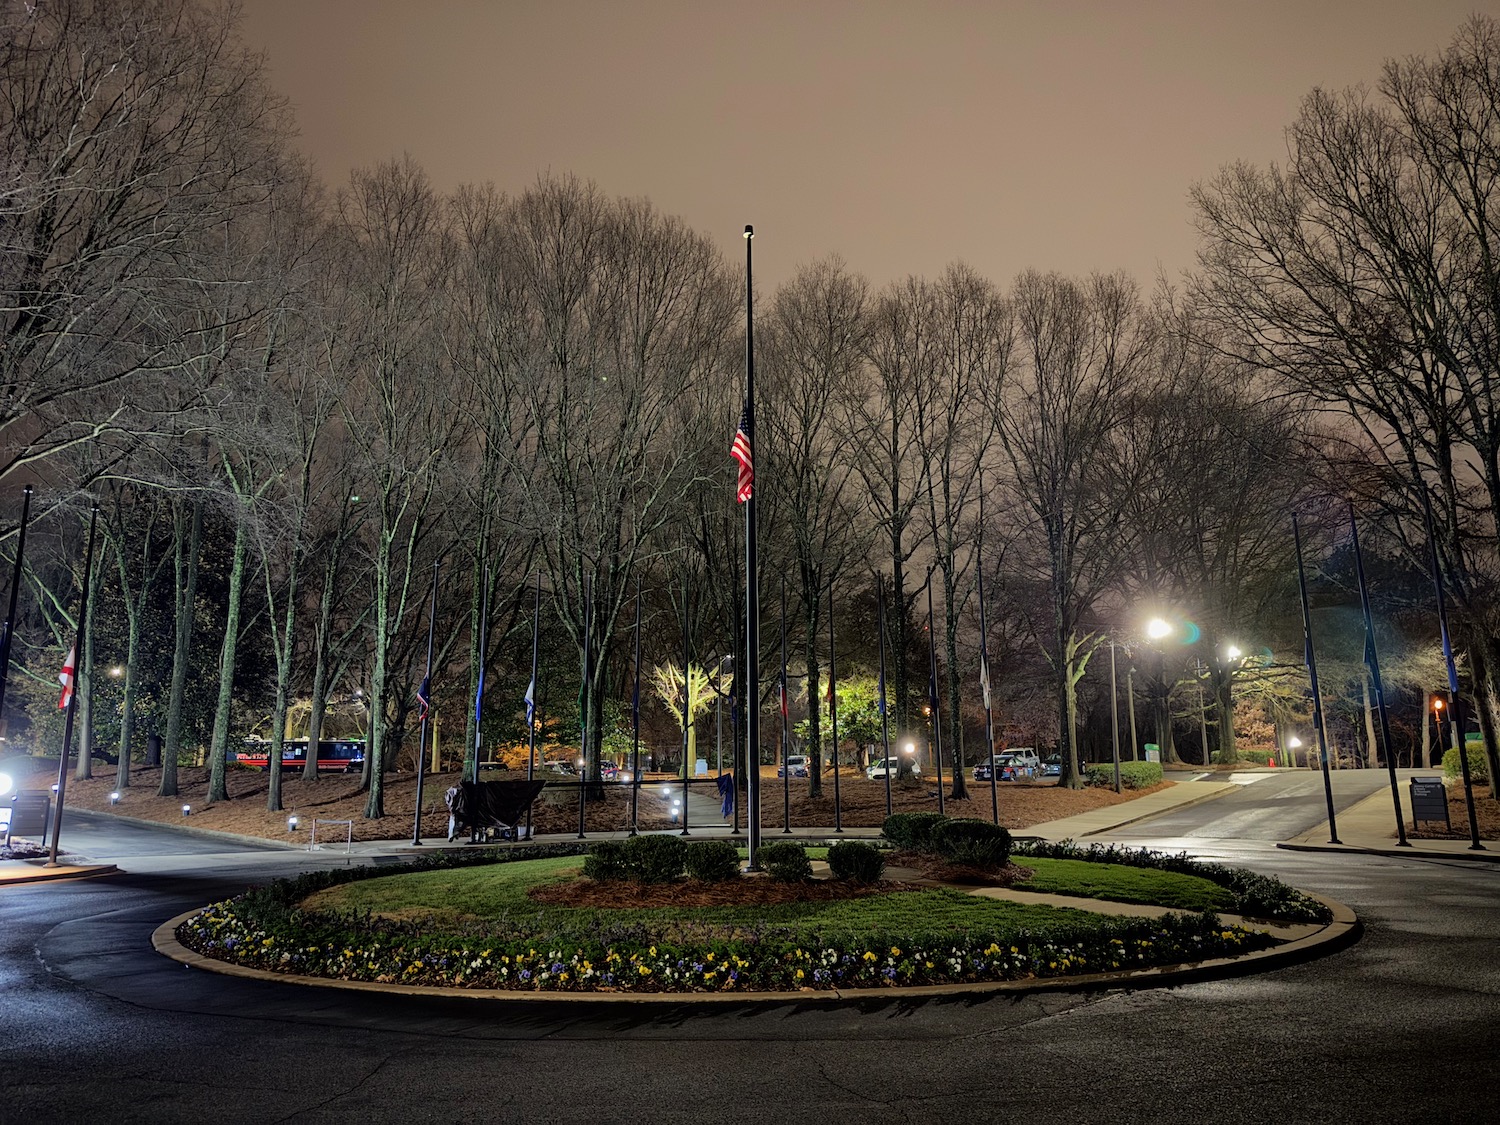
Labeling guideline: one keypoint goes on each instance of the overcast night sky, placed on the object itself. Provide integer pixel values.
(902, 136)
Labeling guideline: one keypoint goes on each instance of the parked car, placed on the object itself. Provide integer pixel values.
(1010, 765)
(797, 765)
(1052, 767)
(876, 771)
(983, 770)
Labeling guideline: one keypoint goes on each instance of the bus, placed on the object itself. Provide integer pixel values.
(334, 755)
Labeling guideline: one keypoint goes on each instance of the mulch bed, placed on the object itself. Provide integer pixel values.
(749, 891)
(1486, 813)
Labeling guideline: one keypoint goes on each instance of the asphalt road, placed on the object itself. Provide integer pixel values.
(1403, 1026)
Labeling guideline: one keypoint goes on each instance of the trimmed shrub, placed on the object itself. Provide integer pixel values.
(1257, 757)
(911, 831)
(1479, 765)
(972, 843)
(655, 859)
(854, 861)
(606, 862)
(785, 861)
(713, 861)
(1133, 775)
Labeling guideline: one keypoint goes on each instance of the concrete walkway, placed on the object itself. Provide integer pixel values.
(1367, 827)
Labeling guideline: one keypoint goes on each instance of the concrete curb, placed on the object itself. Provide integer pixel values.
(43, 875)
(1392, 851)
(1341, 932)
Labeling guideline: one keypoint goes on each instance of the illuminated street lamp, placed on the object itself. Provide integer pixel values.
(1292, 744)
(1159, 629)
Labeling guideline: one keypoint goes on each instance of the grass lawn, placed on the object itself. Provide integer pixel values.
(1115, 883)
(493, 900)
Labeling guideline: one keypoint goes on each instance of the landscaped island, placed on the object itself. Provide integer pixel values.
(625, 917)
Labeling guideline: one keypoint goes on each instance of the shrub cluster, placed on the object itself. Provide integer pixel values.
(1479, 765)
(1255, 896)
(1133, 775)
(969, 842)
(854, 861)
(911, 831)
(785, 861)
(640, 859)
(713, 861)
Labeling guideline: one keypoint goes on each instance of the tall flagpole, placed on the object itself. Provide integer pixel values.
(687, 704)
(62, 765)
(1372, 660)
(786, 773)
(15, 587)
(1454, 717)
(635, 721)
(484, 642)
(984, 666)
(752, 584)
(833, 719)
(425, 702)
(585, 695)
(1311, 659)
(536, 630)
(885, 736)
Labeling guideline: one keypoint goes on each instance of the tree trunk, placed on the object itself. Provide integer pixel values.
(85, 768)
(1372, 757)
(960, 791)
(185, 558)
(1224, 715)
(217, 782)
(127, 711)
(814, 747)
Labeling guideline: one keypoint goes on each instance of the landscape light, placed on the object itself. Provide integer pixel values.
(186, 809)
(54, 789)
(1294, 742)
(6, 781)
(117, 671)
(909, 748)
(114, 798)
(291, 823)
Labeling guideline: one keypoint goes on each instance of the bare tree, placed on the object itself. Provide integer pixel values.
(814, 342)
(1058, 409)
(1363, 274)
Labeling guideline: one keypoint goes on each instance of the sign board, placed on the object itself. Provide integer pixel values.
(1429, 800)
(1153, 752)
(29, 813)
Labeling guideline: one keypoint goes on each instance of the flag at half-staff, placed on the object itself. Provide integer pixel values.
(740, 450)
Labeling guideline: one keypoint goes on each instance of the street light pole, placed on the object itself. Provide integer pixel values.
(1114, 716)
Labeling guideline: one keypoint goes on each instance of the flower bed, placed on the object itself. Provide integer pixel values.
(267, 928)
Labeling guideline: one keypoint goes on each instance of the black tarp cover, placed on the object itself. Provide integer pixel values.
(493, 804)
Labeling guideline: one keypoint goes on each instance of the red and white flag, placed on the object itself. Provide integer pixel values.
(67, 676)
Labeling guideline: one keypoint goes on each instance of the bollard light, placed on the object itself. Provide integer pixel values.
(186, 809)
(291, 823)
(114, 798)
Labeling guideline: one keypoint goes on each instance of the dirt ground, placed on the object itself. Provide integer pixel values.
(339, 797)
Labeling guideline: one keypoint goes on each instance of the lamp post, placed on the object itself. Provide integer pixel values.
(1159, 629)
(1114, 716)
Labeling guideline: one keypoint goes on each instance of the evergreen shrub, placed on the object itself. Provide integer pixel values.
(785, 861)
(713, 861)
(854, 861)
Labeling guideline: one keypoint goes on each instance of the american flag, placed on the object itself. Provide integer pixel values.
(67, 676)
(424, 700)
(740, 451)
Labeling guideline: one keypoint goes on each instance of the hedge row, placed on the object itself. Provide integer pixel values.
(1133, 775)
(1479, 764)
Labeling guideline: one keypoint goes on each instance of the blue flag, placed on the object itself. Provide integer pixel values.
(479, 697)
(530, 703)
(424, 700)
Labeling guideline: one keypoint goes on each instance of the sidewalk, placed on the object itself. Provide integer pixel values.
(1369, 827)
(1366, 827)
